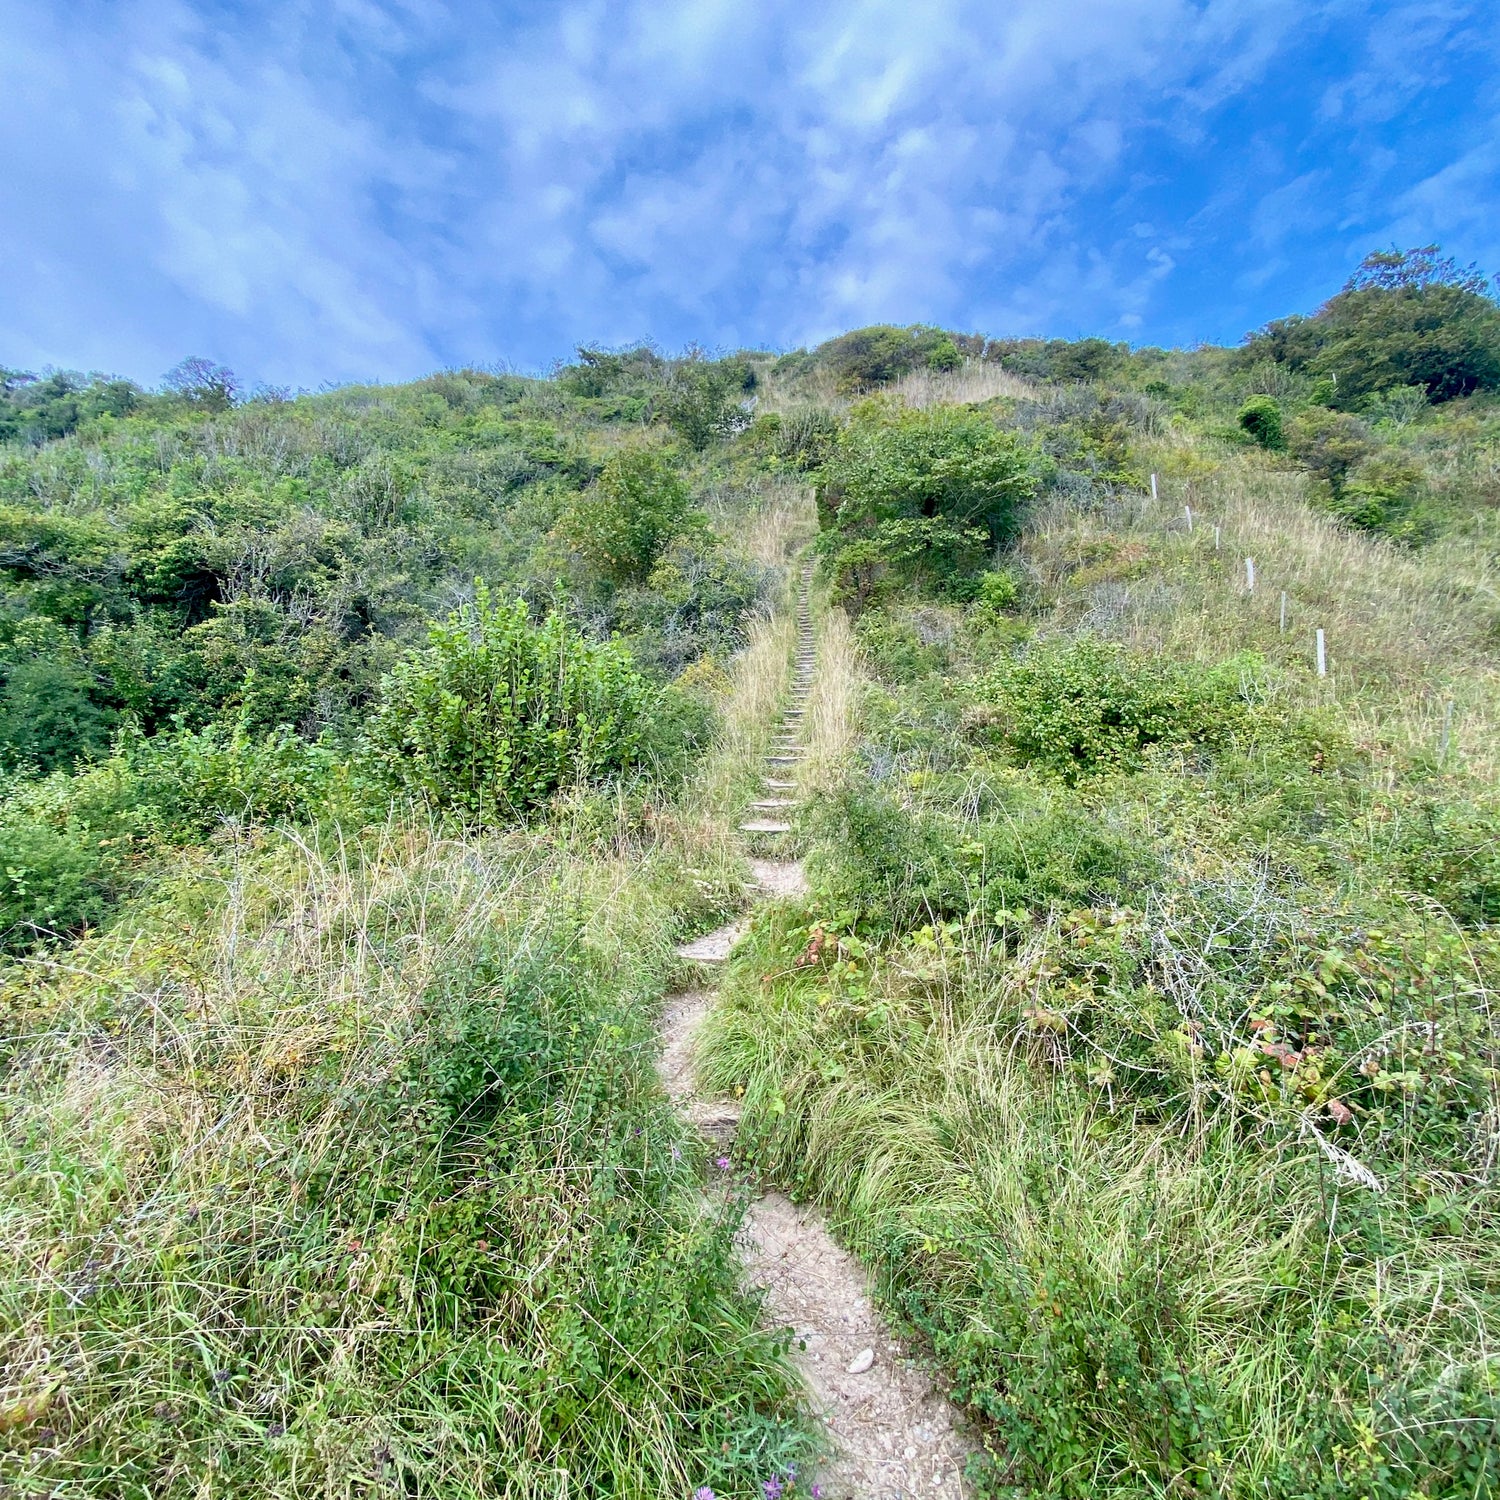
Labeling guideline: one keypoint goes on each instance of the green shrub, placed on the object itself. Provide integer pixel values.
(638, 508)
(1330, 444)
(1384, 495)
(937, 463)
(1260, 416)
(702, 400)
(944, 355)
(1452, 853)
(999, 592)
(497, 714)
(884, 866)
(1087, 707)
(52, 880)
(918, 498)
(49, 714)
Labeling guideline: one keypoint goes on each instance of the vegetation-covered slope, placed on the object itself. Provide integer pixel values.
(365, 753)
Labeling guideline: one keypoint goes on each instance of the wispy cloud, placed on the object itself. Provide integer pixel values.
(375, 187)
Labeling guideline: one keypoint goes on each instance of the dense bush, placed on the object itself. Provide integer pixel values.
(1085, 707)
(497, 714)
(919, 497)
(638, 508)
(881, 353)
(1260, 416)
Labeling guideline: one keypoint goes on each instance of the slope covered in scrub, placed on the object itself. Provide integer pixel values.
(365, 757)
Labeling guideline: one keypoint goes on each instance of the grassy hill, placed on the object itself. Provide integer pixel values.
(1137, 1031)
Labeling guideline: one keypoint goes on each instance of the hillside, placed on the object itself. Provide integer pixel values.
(1118, 991)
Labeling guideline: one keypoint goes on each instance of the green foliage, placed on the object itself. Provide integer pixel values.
(638, 508)
(944, 355)
(702, 400)
(1260, 416)
(49, 713)
(1085, 707)
(999, 592)
(1384, 494)
(1330, 444)
(1404, 319)
(918, 497)
(420, 1216)
(201, 383)
(885, 867)
(497, 714)
(882, 353)
(54, 873)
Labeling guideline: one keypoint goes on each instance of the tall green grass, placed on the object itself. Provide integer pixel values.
(344, 1171)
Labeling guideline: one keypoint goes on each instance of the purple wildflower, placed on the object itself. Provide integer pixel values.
(677, 1156)
(772, 1487)
(722, 1163)
(704, 1493)
(817, 1492)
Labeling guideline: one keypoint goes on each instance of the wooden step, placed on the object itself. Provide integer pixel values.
(772, 804)
(779, 786)
(764, 825)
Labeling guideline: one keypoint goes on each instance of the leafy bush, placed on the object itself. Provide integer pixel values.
(498, 714)
(1087, 707)
(918, 497)
(1404, 318)
(702, 400)
(884, 866)
(52, 879)
(638, 508)
(1260, 416)
(49, 713)
(1384, 494)
(881, 353)
(1330, 443)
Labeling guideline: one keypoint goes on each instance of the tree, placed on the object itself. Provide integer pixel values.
(702, 399)
(1405, 318)
(202, 383)
(629, 518)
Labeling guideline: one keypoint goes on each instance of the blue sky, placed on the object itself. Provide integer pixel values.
(328, 190)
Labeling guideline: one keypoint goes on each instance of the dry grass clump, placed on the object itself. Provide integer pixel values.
(973, 382)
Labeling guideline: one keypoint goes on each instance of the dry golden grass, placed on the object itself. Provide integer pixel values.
(1407, 633)
(972, 382)
(829, 723)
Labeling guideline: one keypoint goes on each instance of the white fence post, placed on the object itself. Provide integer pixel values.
(1153, 486)
(1249, 575)
(1216, 538)
(1322, 656)
(1187, 510)
(1283, 611)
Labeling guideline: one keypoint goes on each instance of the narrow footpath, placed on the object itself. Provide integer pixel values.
(891, 1434)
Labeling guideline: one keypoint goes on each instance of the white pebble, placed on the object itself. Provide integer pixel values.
(862, 1362)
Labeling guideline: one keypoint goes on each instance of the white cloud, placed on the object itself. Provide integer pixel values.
(373, 187)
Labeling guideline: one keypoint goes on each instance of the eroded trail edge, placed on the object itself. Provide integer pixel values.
(892, 1434)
